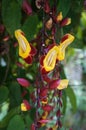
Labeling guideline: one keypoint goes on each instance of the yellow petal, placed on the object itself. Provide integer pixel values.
(24, 46)
(59, 17)
(23, 107)
(63, 84)
(67, 39)
(50, 59)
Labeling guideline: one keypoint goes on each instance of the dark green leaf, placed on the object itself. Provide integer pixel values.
(4, 92)
(32, 113)
(11, 14)
(28, 121)
(16, 123)
(20, 2)
(64, 6)
(30, 26)
(15, 94)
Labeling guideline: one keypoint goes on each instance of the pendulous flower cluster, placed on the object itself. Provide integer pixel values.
(47, 54)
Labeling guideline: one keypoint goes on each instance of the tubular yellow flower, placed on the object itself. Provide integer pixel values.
(24, 46)
(50, 59)
(66, 40)
(63, 84)
(26, 50)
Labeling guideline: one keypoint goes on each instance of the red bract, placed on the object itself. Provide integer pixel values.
(2, 28)
(46, 6)
(44, 121)
(65, 21)
(33, 127)
(43, 92)
(46, 78)
(58, 113)
(27, 104)
(54, 83)
(23, 82)
(29, 59)
(26, 7)
(47, 108)
(24, 93)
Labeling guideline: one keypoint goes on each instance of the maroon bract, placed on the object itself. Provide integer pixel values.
(27, 7)
(54, 83)
(23, 82)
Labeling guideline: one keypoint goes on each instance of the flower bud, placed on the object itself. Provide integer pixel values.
(26, 7)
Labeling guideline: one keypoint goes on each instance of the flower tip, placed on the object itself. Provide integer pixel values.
(59, 17)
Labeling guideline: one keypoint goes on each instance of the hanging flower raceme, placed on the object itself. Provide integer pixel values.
(48, 62)
(26, 50)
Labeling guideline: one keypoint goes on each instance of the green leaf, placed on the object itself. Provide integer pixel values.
(28, 121)
(7, 118)
(20, 2)
(4, 92)
(64, 6)
(71, 95)
(16, 123)
(64, 99)
(11, 15)
(33, 113)
(15, 94)
(30, 26)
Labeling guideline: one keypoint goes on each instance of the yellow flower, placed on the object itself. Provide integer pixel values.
(66, 40)
(59, 17)
(23, 107)
(24, 46)
(63, 84)
(47, 62)
(26, 50)
(50, 59)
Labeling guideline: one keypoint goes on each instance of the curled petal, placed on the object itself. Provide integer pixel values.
(50, 59)
(23, 82)
(26, 50)
(66, 40)
(63, 84)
